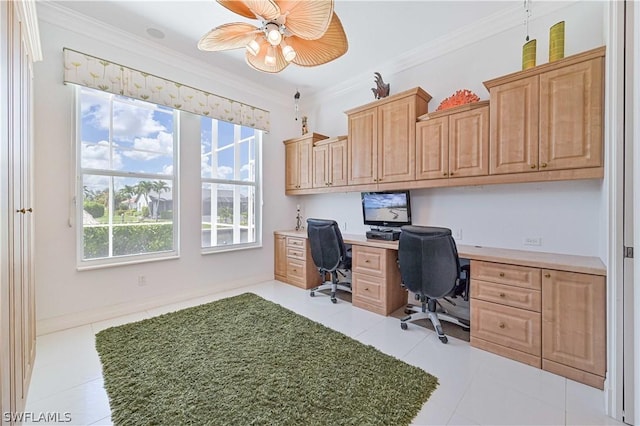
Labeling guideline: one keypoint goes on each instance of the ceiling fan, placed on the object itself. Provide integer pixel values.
(303, 32)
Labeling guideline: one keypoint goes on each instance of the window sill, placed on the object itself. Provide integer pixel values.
(224, 249)
(172, 256)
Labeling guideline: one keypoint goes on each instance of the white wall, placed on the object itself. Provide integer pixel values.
(570, 217)
(67, 297)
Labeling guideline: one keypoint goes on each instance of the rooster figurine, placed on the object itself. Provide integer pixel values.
(382, 89)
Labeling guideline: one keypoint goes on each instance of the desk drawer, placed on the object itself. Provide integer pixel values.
(519, 276)
(296, 271)
(517, 297)
(296, 252)
(510, 327)
(369, 260)
(296, 242)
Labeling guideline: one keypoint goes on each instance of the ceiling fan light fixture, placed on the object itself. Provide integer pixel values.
(274, 37)
(270, 58)
(288, 53)
(253, 47)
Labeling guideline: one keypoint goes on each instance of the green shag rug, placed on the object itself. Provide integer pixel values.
(245, 360)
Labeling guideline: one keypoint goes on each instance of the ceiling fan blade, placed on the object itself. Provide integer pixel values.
(307, 19)
(228, 36)
(330, 46)
(266, 9)
(257, 62)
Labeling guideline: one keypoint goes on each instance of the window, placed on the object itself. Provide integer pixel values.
(126, 179)
(230, 185)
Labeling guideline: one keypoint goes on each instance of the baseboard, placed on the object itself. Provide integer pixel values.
(76, 319)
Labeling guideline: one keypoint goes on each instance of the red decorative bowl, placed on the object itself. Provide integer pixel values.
(461, 97)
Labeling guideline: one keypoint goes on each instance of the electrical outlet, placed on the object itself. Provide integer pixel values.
(532, 241)
(457, 234)
(142, 280)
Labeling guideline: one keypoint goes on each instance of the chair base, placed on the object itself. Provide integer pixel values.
(334, 287)
(435, 318)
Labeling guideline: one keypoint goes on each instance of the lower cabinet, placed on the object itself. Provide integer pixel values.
(293, 263)
(554, 320)
(375, 280)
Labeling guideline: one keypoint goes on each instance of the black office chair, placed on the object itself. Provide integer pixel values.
(430, 267)
(329, 254)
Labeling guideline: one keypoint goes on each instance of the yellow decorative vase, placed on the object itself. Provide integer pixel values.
(556, 42)
(529, 54)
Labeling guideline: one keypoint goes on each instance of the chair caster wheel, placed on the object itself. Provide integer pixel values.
(312, 294)
(403, 325)
(334, 300)
(443, 339)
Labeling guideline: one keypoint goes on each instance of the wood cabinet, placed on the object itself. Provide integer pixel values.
(550, 319)
(381, 138)
(375, 280)
(549, 117)
(453, 142)
(574, 326)
(330, 162)
(292, 261)
(299, 161)
(17, 281)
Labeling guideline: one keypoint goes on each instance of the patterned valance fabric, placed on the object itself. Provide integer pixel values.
(89, 71)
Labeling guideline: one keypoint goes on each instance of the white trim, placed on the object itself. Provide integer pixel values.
(27, 14)
(63, 322)
(62, 17)
(636, 207)
(614, 178)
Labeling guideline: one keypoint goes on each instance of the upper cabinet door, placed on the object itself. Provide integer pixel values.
(514, 126)
(362, 146)
(396, 140)
(469, 143)
(571, 101)
(292, 166)
(321, 166)
(432, 149)
(338, 163)
(305, 150)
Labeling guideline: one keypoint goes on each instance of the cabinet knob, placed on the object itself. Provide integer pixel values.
(366, 261)
(30, 210)
(445, 174)
(501, 325)
(366, 289)
(23, 211)
(547, 275)
(543, 165)
(502, 274)
(451, 174)
(533, 166)
(502, 295)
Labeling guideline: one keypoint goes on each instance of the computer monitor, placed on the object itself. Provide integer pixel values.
(386, 208)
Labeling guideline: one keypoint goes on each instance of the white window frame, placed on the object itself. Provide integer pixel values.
(257, 184)
(78, 202)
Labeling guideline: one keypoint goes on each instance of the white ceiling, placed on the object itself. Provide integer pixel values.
(378, 32)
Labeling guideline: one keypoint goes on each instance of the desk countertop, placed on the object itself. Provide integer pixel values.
(565, 262)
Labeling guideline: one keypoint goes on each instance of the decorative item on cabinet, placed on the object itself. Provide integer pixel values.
(529, 48)
(382, 89)
(381, 139)
(305, 129)
(461, 97)
(556, 42)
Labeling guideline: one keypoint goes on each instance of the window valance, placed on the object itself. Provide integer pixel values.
(89, 71)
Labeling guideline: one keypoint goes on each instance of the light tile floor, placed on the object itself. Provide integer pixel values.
(476, 387)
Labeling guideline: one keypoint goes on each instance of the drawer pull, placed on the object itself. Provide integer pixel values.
(295, 270)
(502, 274)
(366, 289)
(501, 325)
(547, 275)
(366, 261)
(502, 295)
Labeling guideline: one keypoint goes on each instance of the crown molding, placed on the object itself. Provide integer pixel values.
(447, 43)
(62, 17)
(27, 14)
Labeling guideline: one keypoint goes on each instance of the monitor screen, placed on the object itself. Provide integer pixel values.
(387, 208)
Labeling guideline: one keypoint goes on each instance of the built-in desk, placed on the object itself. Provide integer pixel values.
(544, 309)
